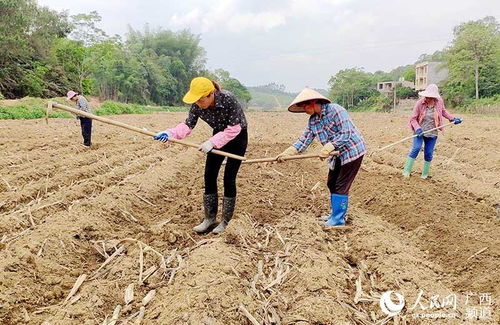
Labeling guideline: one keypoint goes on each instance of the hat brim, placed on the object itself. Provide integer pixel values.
(305, 95)
(296, 109)
(299, 109)
(190, 98)
(428, 94)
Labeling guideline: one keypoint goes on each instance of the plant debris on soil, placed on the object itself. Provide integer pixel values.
(103, 235)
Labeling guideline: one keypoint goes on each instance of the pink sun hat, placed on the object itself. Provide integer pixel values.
(71, 94)
(431, 91)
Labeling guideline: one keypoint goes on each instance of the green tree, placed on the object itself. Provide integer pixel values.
(70, 56)
(474, 59)
(27, 32)
(437, 56)
(166, 62)
(409, 75)
(227, 82)
(405, 92)
(350, 86)
(85, 30)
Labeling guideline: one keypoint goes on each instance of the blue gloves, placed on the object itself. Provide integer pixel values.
(457, 120)
(419, 132)
(162, 136)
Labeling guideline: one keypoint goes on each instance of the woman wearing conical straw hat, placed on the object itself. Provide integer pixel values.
(222, 111)
(427, 114)
(331, 124)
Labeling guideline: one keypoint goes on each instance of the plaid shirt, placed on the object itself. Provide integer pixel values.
(335, 126)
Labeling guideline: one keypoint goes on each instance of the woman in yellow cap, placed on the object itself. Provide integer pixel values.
(221, 110)
(331, 124)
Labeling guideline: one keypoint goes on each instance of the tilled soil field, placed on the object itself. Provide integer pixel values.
(103, 235)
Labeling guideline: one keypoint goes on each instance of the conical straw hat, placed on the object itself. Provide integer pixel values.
(305, 95)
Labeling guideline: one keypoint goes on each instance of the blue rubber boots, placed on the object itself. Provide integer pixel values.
(339, 209)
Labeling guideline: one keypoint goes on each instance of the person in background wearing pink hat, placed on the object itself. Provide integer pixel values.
(222, 111)
(85, 122)
(427, 114)
(331, 124)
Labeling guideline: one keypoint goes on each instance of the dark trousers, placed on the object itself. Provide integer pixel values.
(341, 177)
(86, 125)
(237, 146)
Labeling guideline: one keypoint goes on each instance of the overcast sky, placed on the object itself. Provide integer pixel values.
(298, 42)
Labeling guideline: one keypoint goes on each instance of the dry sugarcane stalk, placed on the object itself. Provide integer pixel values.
(7, 183)
(40, 251)
(149, 296)
(30, 217)
(106, 262)
(248, 315)
(359, 290)
(116, 315)
(136, 129)
(364, 319)
(260, 265)
(140, 317)
(129, 215)
(477, 253)
(74, 299)
(315, 186)
(163, 264)
(76, 286)
(149, 272)
(141, 262)
(143, 199)
(174, 271)
(129, 294)
(129, 318)
(279, 237)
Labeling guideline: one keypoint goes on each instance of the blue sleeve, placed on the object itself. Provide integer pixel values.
(305, 140)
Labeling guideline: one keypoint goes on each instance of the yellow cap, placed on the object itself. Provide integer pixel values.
(200, 87)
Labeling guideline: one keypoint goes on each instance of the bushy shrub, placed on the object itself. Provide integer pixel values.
(378, 103)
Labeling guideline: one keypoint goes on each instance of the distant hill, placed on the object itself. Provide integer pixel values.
(323, 92)
(270, 97)
(273, 97)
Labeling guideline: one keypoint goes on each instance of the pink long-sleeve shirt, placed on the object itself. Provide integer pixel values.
(418, 114)
(219, 140)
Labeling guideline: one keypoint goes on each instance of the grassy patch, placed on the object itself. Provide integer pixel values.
(116, 108)
(33, 108)
(490, 106)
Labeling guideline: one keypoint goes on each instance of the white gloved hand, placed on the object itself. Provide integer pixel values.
(206, 146)
(290, 151)
(326, 150)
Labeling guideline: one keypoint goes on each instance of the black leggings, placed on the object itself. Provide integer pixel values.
(237, 146)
